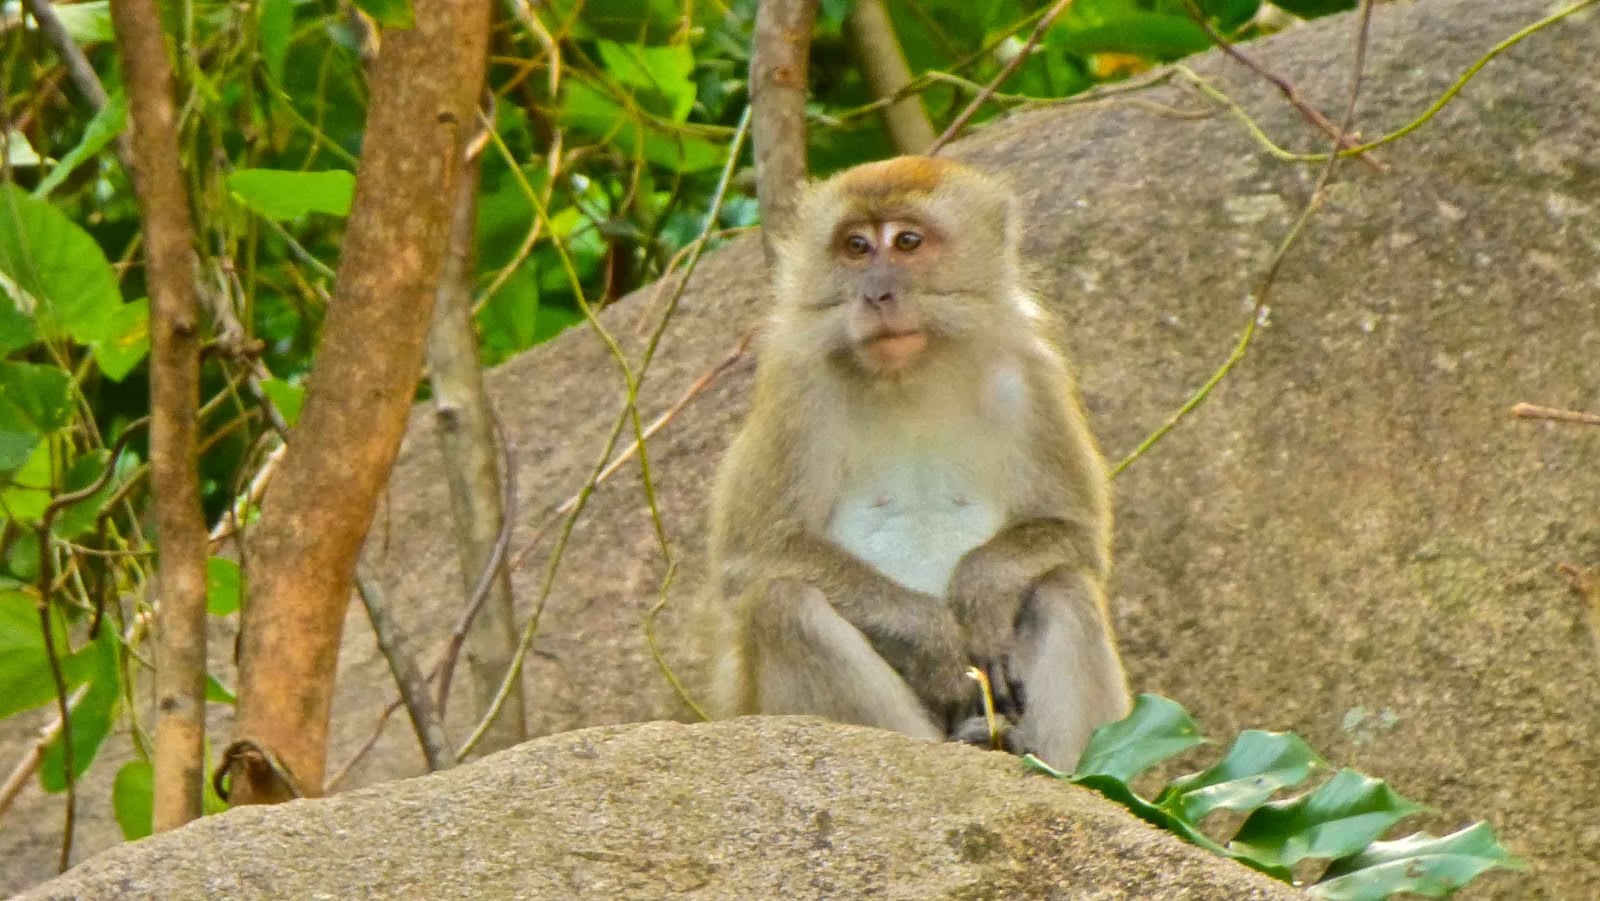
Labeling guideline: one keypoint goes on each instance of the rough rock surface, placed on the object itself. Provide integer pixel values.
(770, 808)
(1352, 538)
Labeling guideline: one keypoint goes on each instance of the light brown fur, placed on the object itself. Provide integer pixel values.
(915, 489)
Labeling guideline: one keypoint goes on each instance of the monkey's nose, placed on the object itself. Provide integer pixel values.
(878, 299)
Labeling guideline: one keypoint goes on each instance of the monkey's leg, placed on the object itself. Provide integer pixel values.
(1066, 662)
(804, 658)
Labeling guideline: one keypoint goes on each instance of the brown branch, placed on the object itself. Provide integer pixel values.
(1346, 138)
(878, 53)
(779, 67)
(170, 265)
(465, 427)
(1533, 411)
(1000, 78)
(425, 718)
(301, 556)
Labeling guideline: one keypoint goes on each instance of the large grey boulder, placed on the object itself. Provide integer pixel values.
(774, 808)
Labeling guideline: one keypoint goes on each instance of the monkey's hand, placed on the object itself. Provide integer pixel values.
(992, 580)
(920, 638)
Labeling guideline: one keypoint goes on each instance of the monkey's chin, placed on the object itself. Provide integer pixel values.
(893, 353)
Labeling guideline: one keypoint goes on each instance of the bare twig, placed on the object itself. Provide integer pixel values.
(425, 719)
(1345, 137)
(1263, 290)
(1006, 71)
(779, 67)
(1533, 411)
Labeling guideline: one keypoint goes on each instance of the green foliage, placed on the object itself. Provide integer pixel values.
(289, 195)
(1338, 822)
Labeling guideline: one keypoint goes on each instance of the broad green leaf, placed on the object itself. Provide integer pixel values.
(1158, 728)
(101, 130)
(590, 111)
(133, 798)
(79, 517)
(1146, 34)
(1311, 9)
(1226, 15)
(24, 668)
(222, 586)
(389, 13)
(28, 487)
(286, 396)
(277, 24)
(34, 401)
(663, 71)
(509, 321)
(23, 558)
(1339, 818)
(91, 717)
(1419, 864)
(124, 339)
(651, 21)
(217, 693)
(1259, 764)
(87, 23)
(281, 194)
(53, 269)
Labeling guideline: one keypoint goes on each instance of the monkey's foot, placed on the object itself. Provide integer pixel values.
(974, 730)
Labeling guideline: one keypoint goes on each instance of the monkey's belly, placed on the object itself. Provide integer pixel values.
(914, 530)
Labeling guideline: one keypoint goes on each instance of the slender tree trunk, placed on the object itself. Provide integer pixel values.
(878, 53)
(301, 557)
(779, 67)
(174, 398)
(467, 440)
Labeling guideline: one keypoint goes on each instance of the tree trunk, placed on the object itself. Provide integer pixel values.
(301, 557)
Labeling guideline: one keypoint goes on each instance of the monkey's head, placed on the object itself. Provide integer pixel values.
(892, 261)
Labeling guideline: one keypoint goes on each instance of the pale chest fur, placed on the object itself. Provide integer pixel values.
(917, 491)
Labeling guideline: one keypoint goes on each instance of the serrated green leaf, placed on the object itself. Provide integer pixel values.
(101, 130)
(91, 717)
(52, 269)
(124, 339)
(281, 194)
(222, 586)
(389, 13)
(1259, 764)
(133, 799)
(277, 25)
(1339, 818)
(287, 397)
(34, 401)
(1156, 729)
(1419, 864)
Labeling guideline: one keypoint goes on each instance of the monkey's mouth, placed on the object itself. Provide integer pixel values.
(893, 348)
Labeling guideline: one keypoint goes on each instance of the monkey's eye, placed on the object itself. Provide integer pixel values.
(857, 245)
(905, 242)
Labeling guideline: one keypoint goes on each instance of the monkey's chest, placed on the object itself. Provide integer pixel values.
(913, 519)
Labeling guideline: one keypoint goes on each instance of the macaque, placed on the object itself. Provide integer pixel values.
(915, 490)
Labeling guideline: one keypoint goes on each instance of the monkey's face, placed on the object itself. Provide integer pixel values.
(893, 263)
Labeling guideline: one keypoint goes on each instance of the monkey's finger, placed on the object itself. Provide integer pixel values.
(1007, 698)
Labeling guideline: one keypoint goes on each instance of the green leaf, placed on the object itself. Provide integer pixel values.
(1158, 728)
(124, 339)
(280, 194)
(1259, 764)
(1311, 9)
(24, 668)
(1146, 34)
(53, 269)
(1419, 864)
(222, 586)
(133, 798)
(662, 71)
(80, 517)
(287, 397)
(277, 24)
(594, 113)
(217, 693)
(389, 13)
(101, 130)
(1341, 817)
(87, 23)
(34, 401)
(91, 717)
